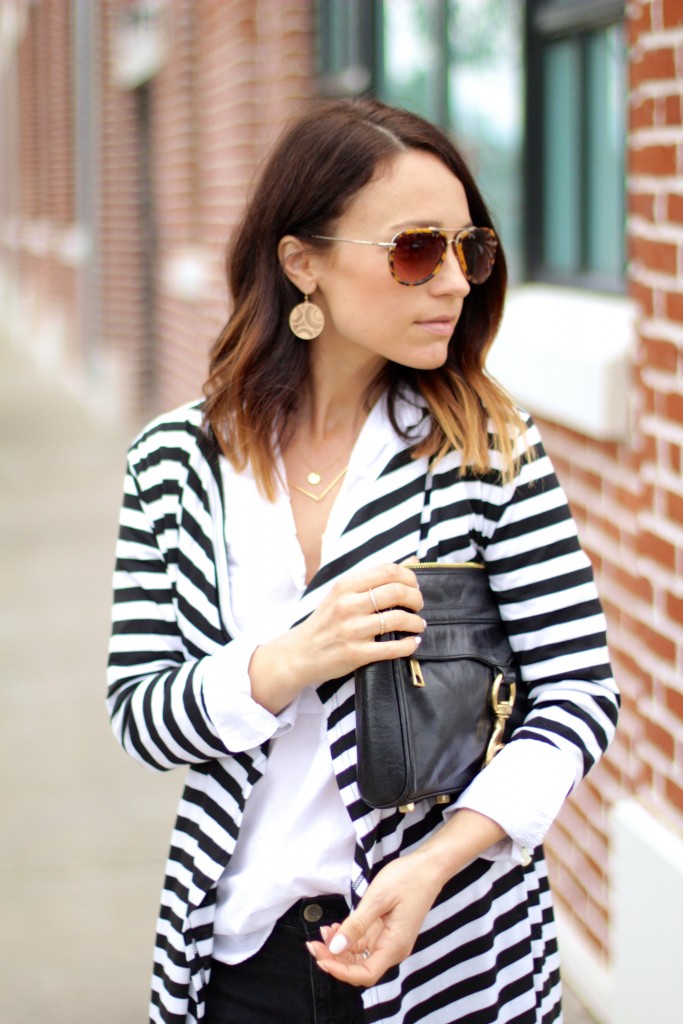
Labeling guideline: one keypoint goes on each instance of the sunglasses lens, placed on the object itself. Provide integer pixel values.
(477, 248)
(416, 255)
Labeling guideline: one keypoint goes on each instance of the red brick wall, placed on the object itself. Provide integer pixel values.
(235, 73)
(628, 499)
(122, 255)
(46, 180)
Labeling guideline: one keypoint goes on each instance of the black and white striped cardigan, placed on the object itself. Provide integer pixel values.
(487, 951)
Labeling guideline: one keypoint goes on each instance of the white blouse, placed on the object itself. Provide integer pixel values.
(296, 837)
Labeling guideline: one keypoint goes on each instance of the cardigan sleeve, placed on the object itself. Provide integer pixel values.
(178, 685)
(544, 585)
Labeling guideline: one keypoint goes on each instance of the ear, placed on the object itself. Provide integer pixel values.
(300, 263)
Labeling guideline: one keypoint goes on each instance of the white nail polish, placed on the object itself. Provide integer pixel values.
(338, 943)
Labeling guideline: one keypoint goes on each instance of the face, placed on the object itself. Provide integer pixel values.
(370, 317)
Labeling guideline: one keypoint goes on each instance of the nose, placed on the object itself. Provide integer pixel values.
(450, 278)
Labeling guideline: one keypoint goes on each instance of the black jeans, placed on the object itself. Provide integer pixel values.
(281, 984)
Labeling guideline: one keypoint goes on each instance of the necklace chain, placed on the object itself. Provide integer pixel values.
(314, 476)
(323, 494)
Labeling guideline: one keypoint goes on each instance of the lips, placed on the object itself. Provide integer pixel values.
(441, 325)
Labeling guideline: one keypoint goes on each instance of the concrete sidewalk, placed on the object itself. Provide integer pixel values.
(83, 829)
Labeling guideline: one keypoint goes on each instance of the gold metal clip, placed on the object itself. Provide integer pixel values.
(405, 808)
(502, 709)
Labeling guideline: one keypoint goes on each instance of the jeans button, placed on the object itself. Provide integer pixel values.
(312, 912)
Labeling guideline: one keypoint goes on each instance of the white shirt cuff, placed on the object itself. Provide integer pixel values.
(522, 789)
(240, 722)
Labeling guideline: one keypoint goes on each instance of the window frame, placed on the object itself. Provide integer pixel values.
(546, 23)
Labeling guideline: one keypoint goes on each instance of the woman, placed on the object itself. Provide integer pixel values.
(348, 427)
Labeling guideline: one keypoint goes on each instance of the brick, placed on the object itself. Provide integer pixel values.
(657, 549)
(634, 584)
(672, 110)
(673, 407)
(648, 497)
(639, 21)
(610, 527)
(662, 646)
(612, 770)
(674, 701)
(612, 611)
(642, 114)
(654, 65)
(644, 296)
(672, 13)
(674, 608)
(648, 777)
(674, 508)
(674, 794)
(589, 478)
(631, 500)
(674, 208)
(663, 355)
(655, 160)
(660, 738)
(656, 255)
(640, 680)
(641, 204)
(674, 306)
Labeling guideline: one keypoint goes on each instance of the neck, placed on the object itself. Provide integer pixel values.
(336, 400)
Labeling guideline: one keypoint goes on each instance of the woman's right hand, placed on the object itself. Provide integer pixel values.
(339, 636)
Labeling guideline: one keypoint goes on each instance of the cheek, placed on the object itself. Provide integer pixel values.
(371, 318)
(365, 301)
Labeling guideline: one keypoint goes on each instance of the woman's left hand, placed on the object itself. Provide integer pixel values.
(382, 930)
(385, 925)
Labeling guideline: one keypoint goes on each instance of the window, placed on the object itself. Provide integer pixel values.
(347, 50)
(575, 142)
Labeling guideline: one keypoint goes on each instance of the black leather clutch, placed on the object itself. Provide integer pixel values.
(427, 724)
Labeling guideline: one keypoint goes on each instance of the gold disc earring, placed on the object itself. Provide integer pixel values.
(306, 320)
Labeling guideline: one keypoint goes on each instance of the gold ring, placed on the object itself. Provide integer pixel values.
(371, 592)
(381, 624)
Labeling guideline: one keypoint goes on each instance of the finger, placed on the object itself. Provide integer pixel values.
(397, 595)
(361, 972)
(396, 620)
(388, 650)
(352, 934)
(380, 575)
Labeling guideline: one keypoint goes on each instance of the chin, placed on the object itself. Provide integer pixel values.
(432, 360)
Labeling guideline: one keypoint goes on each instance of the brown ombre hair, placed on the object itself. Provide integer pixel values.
(259, 370)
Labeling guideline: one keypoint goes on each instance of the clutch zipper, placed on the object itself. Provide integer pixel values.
(415, 670)
(444, 565)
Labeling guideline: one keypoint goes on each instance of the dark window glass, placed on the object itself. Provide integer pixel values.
(576, 143)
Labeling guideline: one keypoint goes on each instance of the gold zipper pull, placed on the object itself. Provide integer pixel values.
(416, 673)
